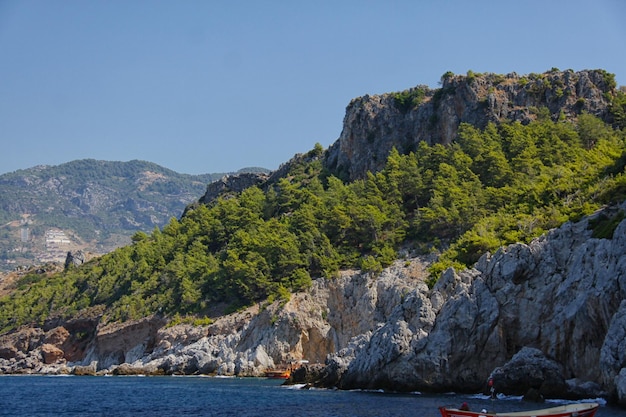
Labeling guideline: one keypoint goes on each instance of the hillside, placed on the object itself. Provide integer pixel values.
(493, 185)
(493, 251)
(90, 205)
(374, 124)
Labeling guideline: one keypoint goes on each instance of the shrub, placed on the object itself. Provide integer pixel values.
(471, 76)
(371, 264)
(604, 226)
(446, 76)
(409, 99)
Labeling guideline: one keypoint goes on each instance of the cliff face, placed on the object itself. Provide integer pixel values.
(373, 125)
(548, 316)
(563, 295)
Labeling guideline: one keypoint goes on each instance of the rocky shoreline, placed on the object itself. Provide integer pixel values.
(545, 320)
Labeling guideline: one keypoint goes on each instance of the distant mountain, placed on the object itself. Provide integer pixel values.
(90, 205)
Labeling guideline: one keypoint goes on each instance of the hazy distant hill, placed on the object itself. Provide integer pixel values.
(88, 204)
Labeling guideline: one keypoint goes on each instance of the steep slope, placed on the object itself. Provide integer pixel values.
(256, 236)
(373, 125)
(562, 294)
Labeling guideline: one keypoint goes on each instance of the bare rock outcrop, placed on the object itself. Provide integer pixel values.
(51, 354)
(76, 258)
(374, 124)
(561, 295)
(311, 325)
(530, 370)
(232, 184)
(115, 344)
(18, 343)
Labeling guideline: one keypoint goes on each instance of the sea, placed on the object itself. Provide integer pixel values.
(214, 396)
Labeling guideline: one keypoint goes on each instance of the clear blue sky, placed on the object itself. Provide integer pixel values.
(215, 86)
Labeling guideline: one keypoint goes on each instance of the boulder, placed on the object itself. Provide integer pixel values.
(532, 374)
(128, 369)
(578, 389)
(309, 374)
(57, 336)
(82, 370)
(533, 395)
(24, 340)
(75, 258)
(8, 352)
(51, 354)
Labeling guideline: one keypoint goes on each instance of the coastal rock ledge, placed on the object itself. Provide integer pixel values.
(546, 319)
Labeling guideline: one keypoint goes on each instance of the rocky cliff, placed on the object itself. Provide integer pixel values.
(374, 124)
(230, 185)
(549, 316)
(562, 295)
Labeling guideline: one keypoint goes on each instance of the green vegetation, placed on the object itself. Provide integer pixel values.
(617, 108)
(471, 76)
(604, 226)
(409, 99)
(503, 184)
(446, 76)
(98, 203)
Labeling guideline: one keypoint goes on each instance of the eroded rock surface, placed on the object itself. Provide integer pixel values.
(374, 124)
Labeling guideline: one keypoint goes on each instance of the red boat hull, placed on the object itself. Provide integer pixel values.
(571, 410)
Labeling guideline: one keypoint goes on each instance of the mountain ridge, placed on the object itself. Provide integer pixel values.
(96, 205)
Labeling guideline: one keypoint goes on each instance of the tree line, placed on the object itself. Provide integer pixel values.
(502, 184)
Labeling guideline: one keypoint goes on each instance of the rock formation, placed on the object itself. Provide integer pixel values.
(232, 184)
(76, 258)
(562, 295)
(373, 125)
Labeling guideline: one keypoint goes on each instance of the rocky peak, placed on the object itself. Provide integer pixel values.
(373, 125)
(232, 184)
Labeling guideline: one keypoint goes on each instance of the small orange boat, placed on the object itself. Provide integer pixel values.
(278, 373)
(284, 372)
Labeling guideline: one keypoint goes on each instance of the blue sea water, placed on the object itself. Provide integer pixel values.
(205, 396)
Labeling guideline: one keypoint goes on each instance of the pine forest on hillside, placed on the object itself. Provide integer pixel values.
(503, 184)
